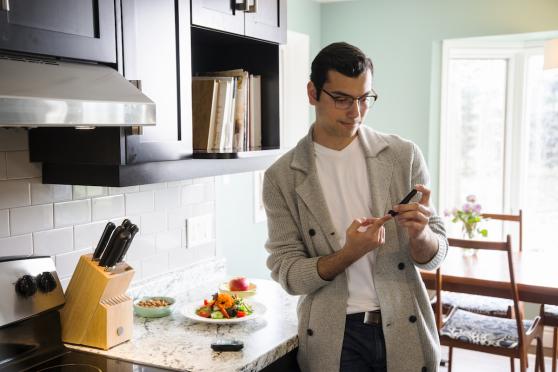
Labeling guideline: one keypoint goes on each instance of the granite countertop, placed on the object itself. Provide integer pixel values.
(176, 342)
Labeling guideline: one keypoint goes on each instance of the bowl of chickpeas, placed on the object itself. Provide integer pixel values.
(153, 307)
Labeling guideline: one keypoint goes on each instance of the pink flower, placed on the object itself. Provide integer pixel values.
(477, 208)
(467, 208)
(471, 198)
(447, 213)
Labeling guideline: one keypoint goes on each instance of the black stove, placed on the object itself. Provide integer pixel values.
(30, 330)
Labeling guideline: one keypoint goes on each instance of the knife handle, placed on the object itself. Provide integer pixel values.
(133, 229)
(119, 245)
(126, 224)
(103, 241)
(110, 245)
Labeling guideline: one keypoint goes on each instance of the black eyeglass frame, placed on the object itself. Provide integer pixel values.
(336, 101)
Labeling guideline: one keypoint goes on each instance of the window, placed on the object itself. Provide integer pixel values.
(499, 136)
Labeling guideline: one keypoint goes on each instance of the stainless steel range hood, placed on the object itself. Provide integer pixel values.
(50, 93)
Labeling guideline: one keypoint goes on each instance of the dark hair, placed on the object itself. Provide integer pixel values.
(341, 57)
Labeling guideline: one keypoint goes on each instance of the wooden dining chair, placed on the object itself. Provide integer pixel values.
(549, 314)
(509, 217)
(485, 333)
(485, 305)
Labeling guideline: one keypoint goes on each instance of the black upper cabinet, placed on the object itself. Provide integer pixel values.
(156, 49)
(158, 45)
(83, 29)
(260, 19)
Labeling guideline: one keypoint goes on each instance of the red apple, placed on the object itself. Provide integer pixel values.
(239, 284)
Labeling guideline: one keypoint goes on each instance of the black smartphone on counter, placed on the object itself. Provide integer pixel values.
(225, 344)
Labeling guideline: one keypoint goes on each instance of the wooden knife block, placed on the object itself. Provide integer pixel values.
(98, 312)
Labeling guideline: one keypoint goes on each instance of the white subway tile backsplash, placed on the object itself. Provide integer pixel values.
(140, 202)
(82, 192)
(53, 242)
(67, 221)
(66, 263)
(13, 139)
(3, 174)
(179, 257)
(45, 193)
(204, 180)
(88, 235)
(179, 183)
(17, 245)
(4, 222)
(18, 165)
(31, 219)
(167, 198)
(72, 212)
(122, 190)
(153, 222)
(154, 265)
(153, 186)
(142, 246)
(177, 217)
(108, 207)
(192, 194)
(168, 240)
(14, 194)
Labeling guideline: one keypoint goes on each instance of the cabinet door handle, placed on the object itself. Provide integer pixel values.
(253, 7)
(247, 6)
(5, 5)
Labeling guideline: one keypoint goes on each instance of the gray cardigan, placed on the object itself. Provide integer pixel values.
(300, 231)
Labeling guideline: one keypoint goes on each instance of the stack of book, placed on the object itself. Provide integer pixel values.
(226, 111)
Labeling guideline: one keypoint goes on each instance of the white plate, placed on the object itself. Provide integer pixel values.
(190, 312)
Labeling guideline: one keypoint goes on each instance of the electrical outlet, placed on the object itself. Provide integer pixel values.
(198, 230)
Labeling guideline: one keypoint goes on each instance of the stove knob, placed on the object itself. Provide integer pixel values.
(46, 282)
(26, 286)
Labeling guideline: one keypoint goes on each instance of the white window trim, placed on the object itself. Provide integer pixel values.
(516, 135)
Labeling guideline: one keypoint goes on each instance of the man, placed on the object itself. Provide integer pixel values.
(362, 306)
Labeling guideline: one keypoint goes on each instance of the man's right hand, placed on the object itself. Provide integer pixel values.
(360, 242)
(357, 244)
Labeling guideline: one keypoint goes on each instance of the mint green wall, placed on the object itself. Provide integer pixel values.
(239, 239)
(403, 37)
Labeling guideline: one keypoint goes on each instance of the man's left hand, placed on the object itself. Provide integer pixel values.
(415, 216)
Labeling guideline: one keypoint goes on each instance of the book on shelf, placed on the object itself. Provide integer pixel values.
(255, 113)
(226, 111)
(220, 137)
(204, 99)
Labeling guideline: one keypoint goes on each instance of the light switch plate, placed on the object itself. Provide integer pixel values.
(199, 230)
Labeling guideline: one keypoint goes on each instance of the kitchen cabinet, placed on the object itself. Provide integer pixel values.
(63, 28)
(156, 51)
(161, 49)
(155, 54)
(260, 19)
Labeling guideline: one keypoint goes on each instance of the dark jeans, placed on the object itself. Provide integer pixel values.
(364, 348)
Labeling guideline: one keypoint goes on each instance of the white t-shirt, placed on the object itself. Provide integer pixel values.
(344, 180)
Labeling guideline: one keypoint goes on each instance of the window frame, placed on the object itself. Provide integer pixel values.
(516, 135)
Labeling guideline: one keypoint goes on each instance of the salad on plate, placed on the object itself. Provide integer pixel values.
(224, 306)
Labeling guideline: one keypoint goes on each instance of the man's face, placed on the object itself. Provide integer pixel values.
(340, 122)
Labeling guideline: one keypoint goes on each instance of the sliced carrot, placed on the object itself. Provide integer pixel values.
(223, 311)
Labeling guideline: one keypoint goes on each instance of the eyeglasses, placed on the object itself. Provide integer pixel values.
(345, 102)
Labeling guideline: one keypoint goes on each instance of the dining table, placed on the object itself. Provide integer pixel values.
(486, 273)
